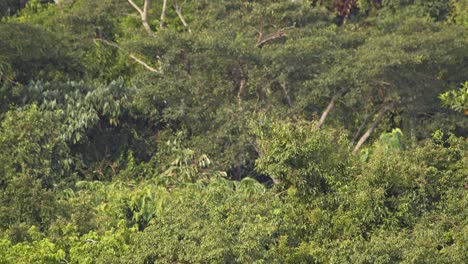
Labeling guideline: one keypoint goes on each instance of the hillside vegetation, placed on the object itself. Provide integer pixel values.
(234, 131)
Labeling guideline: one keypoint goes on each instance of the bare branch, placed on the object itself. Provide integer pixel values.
(143, 64)
(145, 8)
(330, 106)
(143, 15)
(163, 15)
(383, 111)
(136, 7)
(361, 127)
(178, 10)
(260, 36)
(326, 112)
(136, 59)
(260, 32)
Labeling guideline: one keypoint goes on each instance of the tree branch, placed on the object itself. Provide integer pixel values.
(136, 7)
(145, 8)
(143, 64)
(178, 10)
(136, 59)
(330, 106)
(163, 15)
(325, 113)
(361, 127)
(374, 125)
(275, 35)
(143, 14)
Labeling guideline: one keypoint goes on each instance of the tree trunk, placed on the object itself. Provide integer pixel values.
(374, 125)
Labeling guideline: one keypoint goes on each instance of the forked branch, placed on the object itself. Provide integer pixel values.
(143, 14)
(178, 9)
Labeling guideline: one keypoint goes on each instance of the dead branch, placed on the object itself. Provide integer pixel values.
(143, 63)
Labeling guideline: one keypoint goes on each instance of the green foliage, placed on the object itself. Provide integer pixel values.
(96, 120)
(32, 146)
(28, 51)
(186, 168)
(44, 251)
(456, 99)
(198, 143)
(459, 15)
(299, 155)
(80, 106)
(214, 224)
(34, 160)
(436, 9)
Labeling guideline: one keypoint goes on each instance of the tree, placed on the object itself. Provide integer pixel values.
(380, 72)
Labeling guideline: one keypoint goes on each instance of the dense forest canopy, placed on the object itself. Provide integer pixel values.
(234, 131)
